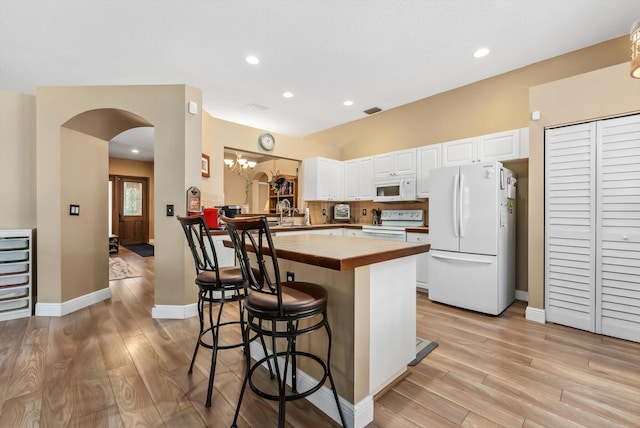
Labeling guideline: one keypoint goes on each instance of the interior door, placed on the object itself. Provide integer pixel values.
(130, 209)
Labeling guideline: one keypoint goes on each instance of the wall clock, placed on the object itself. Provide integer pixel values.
(266, 141)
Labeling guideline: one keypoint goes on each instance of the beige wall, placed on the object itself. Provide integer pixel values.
(492, 105)
(218, 134)
(602, 93)
(17, 160)
(178, 143)
(135, 168)
(83, 161)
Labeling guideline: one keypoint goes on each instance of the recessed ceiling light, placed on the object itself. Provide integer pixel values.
(287, 94)
(481, 52)
(135, 151)
(348, 103)
(253, 59)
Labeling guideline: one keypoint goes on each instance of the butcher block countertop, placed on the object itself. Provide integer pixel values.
(341, 253)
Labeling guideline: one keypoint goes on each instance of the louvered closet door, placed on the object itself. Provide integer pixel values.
(618, 264)
(570, 226)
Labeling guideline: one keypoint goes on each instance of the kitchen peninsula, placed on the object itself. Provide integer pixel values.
(372, 312)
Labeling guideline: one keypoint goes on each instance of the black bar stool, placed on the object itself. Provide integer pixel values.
(218, 285)
(280, 306)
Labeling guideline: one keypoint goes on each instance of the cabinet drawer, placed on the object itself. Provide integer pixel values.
(14, 256)
(14, 244)
(9, 280)
(13, 268)
(11, 305)
(13, 292)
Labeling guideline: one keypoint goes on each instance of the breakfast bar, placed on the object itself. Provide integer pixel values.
(372, 313)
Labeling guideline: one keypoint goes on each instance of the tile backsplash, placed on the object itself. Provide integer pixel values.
(316, 207)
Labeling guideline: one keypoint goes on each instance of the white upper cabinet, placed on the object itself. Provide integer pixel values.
(323, 179)
(459, 152)
(358, 179)
(394, 163)
(501, 146)
(365, 178)
(428, 158)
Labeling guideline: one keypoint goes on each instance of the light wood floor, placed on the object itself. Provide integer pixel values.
(112, 365)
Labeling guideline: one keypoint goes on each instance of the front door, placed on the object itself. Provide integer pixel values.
(130, 209)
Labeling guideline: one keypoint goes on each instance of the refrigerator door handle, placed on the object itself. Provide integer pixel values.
(458, 259)
(454, 209)
(461, 221)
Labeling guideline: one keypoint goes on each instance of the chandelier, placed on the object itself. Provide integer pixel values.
(635, 49)
(239, 165)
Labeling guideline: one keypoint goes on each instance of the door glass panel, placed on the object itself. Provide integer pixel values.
(132, 198)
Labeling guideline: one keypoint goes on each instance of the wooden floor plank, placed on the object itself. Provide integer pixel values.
(134, 401)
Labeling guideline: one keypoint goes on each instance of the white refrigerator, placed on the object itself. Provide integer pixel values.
(472, 231)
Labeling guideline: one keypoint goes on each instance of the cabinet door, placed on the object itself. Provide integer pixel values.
(428, 159)
(383, 165)
(317, 178)
(405, 161)
(422, 260)
(500, 146)
(459, 152)
(351, 180)
(335, 180)
(365, 179)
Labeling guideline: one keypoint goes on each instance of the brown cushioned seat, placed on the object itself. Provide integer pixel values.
(296, 297)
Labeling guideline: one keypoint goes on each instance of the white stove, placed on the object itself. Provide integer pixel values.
(393, 224)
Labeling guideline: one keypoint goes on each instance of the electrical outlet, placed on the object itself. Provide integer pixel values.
(364, 211)
(290, 277)
(324, 211)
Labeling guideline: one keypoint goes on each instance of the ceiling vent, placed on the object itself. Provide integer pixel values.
(257, 107)
(373, 110)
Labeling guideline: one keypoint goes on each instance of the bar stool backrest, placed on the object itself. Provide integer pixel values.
(196, 232)
(252, 234)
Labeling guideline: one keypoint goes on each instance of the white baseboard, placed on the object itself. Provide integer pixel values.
(522, 295)
(535, 314)
(174, 312)
(62, 309)
(356, 416)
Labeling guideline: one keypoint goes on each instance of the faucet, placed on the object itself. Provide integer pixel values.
(284, 203)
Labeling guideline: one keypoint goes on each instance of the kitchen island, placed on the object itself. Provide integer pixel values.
(372, 312)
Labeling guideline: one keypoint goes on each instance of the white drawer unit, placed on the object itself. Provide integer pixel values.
(16, 279)
(422, 261)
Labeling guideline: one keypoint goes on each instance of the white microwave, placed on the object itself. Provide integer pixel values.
(395, 189)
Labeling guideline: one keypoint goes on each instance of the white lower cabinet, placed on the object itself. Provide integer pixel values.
(422, 260)
(353, 233)
(16, 277)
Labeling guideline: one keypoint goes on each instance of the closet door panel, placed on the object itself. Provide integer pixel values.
(570, 226)
(618, 284)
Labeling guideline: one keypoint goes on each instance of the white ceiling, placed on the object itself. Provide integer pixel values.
(377, 53)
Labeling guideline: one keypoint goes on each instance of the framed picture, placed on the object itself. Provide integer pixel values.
(205, 165)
